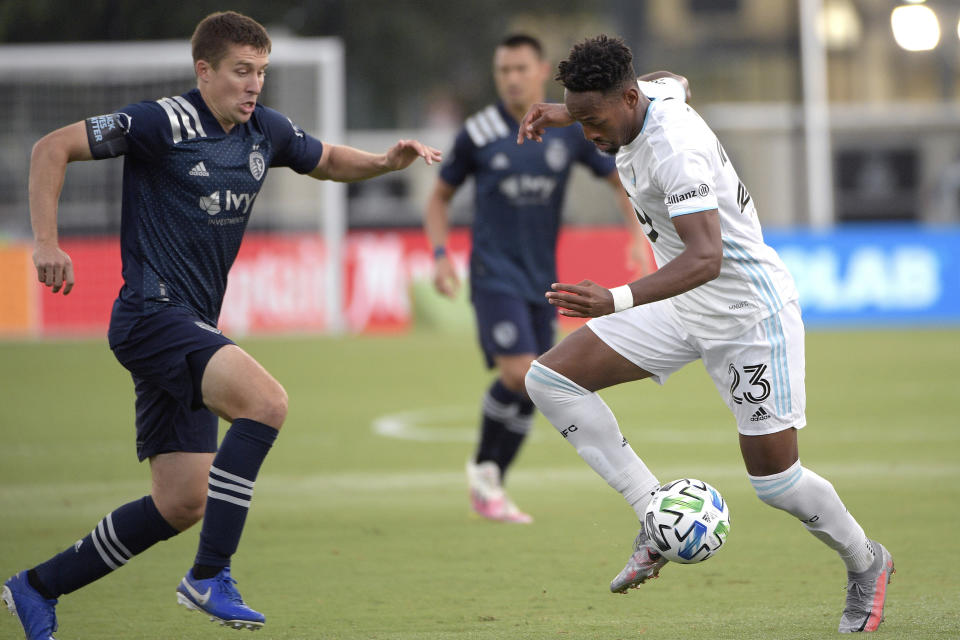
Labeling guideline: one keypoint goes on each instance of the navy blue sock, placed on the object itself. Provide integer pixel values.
(500, 405)
(122, 534)
(514, 433)
(230, 490)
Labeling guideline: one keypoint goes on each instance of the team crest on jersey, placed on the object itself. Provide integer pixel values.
(556, 155)
(257, 164)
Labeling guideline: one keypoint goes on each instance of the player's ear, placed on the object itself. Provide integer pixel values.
(631, 95)
(202, 69)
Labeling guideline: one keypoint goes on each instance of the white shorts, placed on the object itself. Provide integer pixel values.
(759, 374)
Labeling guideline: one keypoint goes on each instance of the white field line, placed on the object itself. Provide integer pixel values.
(458, 423)
(398, 481)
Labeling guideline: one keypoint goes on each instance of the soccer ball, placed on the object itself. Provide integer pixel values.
(687, 520)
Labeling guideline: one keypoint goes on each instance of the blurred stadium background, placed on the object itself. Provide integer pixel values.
(842, 119)
(834, 125)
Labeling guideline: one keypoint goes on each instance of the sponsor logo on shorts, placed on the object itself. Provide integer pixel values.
(739, 305)
(760, 414)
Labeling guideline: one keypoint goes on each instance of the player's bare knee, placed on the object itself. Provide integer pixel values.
(514, 379)
(184, 511)
(273, 409)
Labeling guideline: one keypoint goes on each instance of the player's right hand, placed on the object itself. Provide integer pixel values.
(54, 268)
(586, 299)
(540, 116)
(445, 279)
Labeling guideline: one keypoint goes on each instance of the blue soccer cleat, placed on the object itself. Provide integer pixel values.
(218, 598)
(35, 613)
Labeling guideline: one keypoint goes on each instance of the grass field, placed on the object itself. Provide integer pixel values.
(356, 535)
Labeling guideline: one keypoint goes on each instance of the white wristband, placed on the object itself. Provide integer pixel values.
(622, 298)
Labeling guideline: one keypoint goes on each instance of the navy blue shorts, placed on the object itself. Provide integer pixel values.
(509, 325)
(166, 353)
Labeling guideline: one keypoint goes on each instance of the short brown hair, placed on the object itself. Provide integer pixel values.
(215, 33)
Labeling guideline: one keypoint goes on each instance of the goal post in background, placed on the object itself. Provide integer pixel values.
(43, 87)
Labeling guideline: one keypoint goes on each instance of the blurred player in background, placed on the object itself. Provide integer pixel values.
(720, 294)
(517, 208)
(193, 166)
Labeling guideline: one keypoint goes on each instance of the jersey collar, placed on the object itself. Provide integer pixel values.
(507, 117)
(207, 119)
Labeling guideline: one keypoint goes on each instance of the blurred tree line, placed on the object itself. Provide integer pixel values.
(409, 63)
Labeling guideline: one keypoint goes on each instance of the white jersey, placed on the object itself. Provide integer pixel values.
(676, 166)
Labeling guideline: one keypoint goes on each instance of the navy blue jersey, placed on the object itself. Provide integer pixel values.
(519, 198)
(188, 191)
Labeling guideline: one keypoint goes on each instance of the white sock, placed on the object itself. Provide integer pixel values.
(813, 500)
(588, 424)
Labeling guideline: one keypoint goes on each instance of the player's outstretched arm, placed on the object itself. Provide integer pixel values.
(346, 164)
(48, 166)
(541, 116)
(436, 224)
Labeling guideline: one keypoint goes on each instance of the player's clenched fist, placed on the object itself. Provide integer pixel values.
(584, 300)
(54, 268)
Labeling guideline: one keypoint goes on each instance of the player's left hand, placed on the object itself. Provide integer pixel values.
(584, 300)
(402, 154)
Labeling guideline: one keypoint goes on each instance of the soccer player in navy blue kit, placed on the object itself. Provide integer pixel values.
(517, 207)
(193, 167)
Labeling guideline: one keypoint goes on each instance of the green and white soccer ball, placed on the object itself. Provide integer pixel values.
(687, 520)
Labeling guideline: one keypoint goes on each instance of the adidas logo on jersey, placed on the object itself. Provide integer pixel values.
(500, 162)
(199, 170)
(761, 414)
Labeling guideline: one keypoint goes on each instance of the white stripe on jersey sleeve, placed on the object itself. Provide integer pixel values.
(497, 120)
(474, 132)
(485, 127)
(193, 113)
(174, 120)
(191, 134)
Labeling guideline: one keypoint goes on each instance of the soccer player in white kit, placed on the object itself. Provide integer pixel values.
(720, 295)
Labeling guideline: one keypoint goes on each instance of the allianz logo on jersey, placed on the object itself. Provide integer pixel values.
(701, 191)
(213, 205)
(528, 187)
